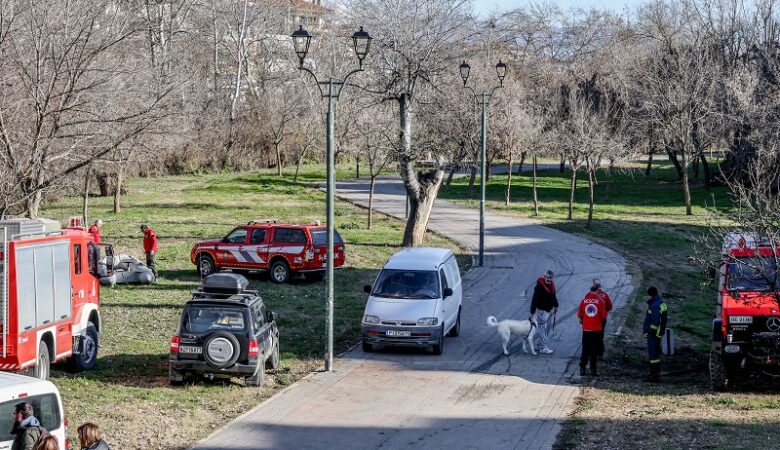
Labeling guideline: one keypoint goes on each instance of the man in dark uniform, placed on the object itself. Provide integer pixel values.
(654, 328)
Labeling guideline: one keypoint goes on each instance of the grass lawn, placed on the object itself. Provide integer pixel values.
(644, 219)
(128, 394)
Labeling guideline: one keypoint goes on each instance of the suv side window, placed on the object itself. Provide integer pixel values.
(291, 235)
(444, 284)
(258, 316)
(258, 236)
(238, 236)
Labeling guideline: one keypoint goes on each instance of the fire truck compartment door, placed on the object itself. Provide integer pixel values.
(43, 284)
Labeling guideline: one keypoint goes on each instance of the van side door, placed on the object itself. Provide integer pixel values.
(258, 248)
(450, 311)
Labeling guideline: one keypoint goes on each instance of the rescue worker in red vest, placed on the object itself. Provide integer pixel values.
(150, 249)
(544, 304)
(592, 313)
(654, 328)
(608, 307)
(95, 231)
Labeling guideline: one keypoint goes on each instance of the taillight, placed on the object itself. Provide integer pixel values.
(67, 441)
(254, 349)
(175, 344)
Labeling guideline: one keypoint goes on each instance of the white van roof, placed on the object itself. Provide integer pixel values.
(418, 258)
(13, 383)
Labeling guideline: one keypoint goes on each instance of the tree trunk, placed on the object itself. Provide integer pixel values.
(536, 198)
(573, 190)
(472, 178)
(563, 163)
(608, 172)
(371, 201)
(649, 162)
(508, 196)
(420, 208)
(591, 188)
(686, 187)
(357, 167)
(450, 175)
(695, 167)
(520, 166)
(673, 158)
(34, 204)
(120, 175)
(707, 171)
(278, 159)
(85, 197)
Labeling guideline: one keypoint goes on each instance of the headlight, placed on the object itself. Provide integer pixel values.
(370, 319)
(428, 321)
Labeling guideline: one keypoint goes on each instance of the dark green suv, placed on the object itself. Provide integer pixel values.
(224, 331)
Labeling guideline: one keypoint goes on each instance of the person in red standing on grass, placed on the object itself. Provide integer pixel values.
(95, 231)
(592, 313)
(150, 249)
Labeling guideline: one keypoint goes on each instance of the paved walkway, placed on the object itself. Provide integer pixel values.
(471, 397)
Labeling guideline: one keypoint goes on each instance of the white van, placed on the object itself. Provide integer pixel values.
(42, 395)
(415, 301)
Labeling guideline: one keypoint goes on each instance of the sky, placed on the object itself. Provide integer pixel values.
(483, 7)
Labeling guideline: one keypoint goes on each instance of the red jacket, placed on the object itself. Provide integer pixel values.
(607, 301)
(150, 241)
(95, 230)
(592, 312)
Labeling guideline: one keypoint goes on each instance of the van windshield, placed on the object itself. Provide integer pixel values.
(751, 274)
(412, 284)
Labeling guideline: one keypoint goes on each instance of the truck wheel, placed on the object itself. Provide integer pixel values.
(43, 364)
(438, 349)
(206, 266)
(455, 330)
(258, 378)
(273, 361)
(280, 271)
(718, 376)
(89, 350)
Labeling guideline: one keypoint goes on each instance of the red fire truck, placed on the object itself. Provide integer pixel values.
(746, 329)
(50, 290)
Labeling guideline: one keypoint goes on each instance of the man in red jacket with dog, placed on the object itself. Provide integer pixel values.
(593, 315)
(150, 249)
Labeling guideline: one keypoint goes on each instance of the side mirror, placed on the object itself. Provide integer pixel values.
(225, 240)
(367, 289)
(272, 316)
(447, 292)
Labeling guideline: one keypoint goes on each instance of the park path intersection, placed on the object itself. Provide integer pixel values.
(472, 396)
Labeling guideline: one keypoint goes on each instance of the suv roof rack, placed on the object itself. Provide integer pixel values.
(256, 221)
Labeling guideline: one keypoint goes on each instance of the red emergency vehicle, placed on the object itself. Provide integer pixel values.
(746, 329)
(266, 245)
(50, 290)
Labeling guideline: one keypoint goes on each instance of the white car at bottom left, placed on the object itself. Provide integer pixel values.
(42, 395)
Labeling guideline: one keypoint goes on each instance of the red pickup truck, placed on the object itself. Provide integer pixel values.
(280, 249)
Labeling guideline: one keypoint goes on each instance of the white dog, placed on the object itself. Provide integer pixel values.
(525, 329)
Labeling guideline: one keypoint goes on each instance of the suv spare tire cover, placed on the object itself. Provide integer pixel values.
(221, 350)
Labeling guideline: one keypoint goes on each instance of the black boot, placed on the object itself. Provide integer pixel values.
(655, 374)
(594, 370)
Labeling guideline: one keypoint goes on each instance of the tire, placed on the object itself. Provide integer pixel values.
(89, 344)
(42, 366)
(314, 276)
(206, 265)
(258, 378)
(279, 271)
(175, 377)
(367, 348)
(221, 350)
(718, 376)
(273, 361)
(455, 330)
(438, 349)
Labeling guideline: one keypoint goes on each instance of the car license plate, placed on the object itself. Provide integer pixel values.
(189, 349)
(401, 333)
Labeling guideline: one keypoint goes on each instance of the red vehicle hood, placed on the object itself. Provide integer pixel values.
(750, 304)
(210, 242)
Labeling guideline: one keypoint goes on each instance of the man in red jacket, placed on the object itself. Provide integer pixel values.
(150, 249)
(608, 307)
(592, 314)
(95, 231)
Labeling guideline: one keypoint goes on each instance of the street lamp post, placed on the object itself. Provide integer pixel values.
(331, 90)
(484, 100)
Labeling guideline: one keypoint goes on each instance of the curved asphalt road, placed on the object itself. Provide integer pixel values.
(471, 397)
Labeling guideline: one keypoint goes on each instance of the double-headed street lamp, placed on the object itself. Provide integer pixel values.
(330, 89)
(484, 100)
